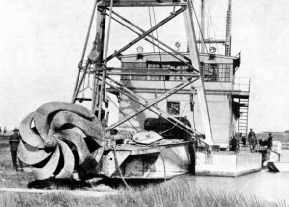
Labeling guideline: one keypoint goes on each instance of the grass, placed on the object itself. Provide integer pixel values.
(177, 192)
(8, 177)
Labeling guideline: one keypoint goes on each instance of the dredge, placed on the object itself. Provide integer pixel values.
(154, 137)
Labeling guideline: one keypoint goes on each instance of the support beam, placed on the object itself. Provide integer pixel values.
(102, 87)
(100, 36)
(173, 15)
(148, 40)
(157, 100)
(83, 52)
(194, 54)
(143, 3)
(123, 69)
(154, 38)
(81, 79)
(152, 74)
(142, 101)
(212, 41)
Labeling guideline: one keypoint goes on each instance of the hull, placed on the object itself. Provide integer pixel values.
(163, 161)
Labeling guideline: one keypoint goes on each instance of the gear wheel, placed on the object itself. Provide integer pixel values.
(60, 138)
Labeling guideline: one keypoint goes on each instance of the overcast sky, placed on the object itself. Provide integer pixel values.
(41, 44)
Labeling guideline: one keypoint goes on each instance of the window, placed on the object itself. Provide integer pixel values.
(134, 67)
(224, 72)
(173, 108)
(152, 66)
(210, 72)
(217, 72)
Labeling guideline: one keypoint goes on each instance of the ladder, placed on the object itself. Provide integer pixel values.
(244, 115)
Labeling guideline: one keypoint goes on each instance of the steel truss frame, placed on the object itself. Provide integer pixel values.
(100, 72)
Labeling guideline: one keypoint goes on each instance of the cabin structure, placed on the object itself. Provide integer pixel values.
(212, 101)
(152, 74)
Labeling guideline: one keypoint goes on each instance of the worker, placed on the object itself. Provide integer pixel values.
(234, 143)
(252, 139)
(14, 142)
(270, 142)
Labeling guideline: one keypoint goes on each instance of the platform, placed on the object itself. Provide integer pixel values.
(227, 163)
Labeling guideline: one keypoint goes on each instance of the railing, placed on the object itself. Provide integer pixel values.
(274, 156)
(285, 145)
(242, 84)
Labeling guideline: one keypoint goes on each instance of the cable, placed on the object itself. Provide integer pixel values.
(165, 172)
(176, 123)
(157, 34)
(108, 30)
(202, 35)
(151, 27)
(122, 113)
(160, 53)
(118, 167)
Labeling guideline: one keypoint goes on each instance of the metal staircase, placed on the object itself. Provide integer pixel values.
(243, 120)
(243, 84)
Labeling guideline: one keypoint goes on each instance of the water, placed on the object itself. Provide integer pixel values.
(263, 184)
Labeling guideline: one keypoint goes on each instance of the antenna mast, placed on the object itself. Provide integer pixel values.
(228, 30)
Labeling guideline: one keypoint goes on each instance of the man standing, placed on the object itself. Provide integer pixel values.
(14, 142)
(252, 140)
(270, 141)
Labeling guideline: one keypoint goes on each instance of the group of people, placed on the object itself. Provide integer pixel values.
(252, 141)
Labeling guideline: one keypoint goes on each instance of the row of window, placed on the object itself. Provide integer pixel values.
(154, 78)
(165, 65)
(212, 72)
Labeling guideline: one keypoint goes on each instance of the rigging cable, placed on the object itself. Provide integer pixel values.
(215, 36)
(202, 35)
(151, 27)
(165, 172)
(108, 29)
(157, 34)
(160, 53)
(83, 52)
(118, 168)
(208, 22)
(176, 122)
(122, 113)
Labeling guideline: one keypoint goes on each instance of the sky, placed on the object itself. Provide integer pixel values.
(41, 44)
